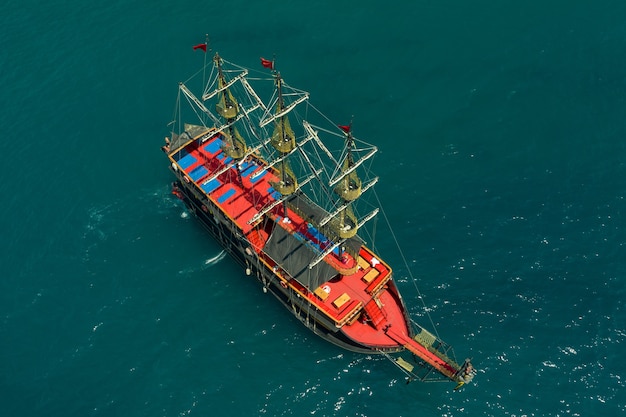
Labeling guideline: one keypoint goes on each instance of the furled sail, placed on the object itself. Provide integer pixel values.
(234, 145)
(284, 141)
(227, 107)
(345, 224)
(349, 188)
(288, 182)
(283, 138)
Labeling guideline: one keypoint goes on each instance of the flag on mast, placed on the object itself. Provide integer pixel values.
(267, 63)
(200, 46)
(345, 128)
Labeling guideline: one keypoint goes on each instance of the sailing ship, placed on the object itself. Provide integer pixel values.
(282, 189)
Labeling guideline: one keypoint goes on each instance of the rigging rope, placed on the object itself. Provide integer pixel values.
(266, 114)
(395, 239)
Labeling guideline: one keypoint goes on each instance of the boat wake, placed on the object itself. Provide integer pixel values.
(206, 264)
(214, 260)
(116, 218)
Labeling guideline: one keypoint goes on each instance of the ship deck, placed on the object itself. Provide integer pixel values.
(363, 304)
(240, 201)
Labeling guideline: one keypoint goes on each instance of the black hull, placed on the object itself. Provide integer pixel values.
(228, 235)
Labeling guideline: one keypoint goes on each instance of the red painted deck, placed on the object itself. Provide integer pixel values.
(379, 312)
(240, 201)
(241, 198)
(350, 300)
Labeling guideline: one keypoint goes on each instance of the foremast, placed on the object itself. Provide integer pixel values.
(342, 223)
(348, 189)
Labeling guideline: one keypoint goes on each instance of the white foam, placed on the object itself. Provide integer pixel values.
(215, 259)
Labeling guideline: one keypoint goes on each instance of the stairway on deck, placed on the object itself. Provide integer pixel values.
(257, 240)
(374, 312)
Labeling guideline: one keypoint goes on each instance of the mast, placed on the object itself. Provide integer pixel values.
(348, 189)
(284, 141)
(228, 108)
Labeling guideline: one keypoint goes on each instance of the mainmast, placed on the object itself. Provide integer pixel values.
(284, 141)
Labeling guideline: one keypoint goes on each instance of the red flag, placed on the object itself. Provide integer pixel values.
(267, 63)
(345, 128)
(200, 46)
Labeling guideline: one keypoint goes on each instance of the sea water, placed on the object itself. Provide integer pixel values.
(502, 165)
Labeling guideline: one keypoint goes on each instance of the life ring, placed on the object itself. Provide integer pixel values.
(283, 284)
(205, 208)
(186, 179)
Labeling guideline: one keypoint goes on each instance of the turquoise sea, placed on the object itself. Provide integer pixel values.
(503, 167)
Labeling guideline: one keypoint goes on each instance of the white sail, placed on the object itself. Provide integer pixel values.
(210, 95)
(284, 111)
(198, 103)
(253, 93)
(309, 128)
